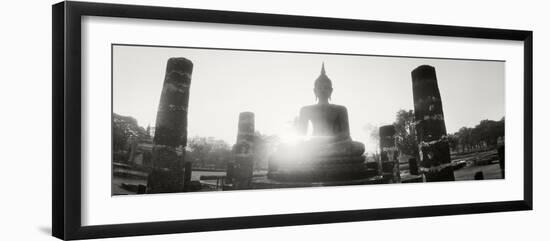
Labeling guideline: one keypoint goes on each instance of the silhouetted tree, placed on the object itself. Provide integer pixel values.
(486, 133)
(124, 129)
(453, 141)
(264, 146)
(405, 131)
(208, 151)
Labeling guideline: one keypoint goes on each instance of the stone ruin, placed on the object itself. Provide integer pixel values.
(431, 133)
(389, 162)
(243, 152)
(170, 137)
(171, 129)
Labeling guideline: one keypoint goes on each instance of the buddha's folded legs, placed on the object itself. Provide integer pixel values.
(343, 148)
(326, 148)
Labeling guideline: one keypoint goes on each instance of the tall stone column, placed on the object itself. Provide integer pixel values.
(243, 152)
(171, 129)
(501, 162)
(133, 150)
(431, 132)
(388, 154)
(187, 170)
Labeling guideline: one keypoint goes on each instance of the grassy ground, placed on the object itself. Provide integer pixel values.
(486, 162)
(491, 171)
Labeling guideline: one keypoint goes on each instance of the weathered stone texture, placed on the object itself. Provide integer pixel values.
(243, 152)
(431, 132)
(389, 154)
(171, 128)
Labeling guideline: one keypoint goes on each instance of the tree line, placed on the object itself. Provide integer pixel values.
(484, 135)
(125, 130)
(204, 152)
(209, 152)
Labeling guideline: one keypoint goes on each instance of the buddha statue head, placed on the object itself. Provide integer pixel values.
(323, 87)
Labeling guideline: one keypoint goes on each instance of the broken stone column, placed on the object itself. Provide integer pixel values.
(187, 172)
(171, 129)
(229, 173)
(501, 160)
(478, 176)
(500, 149)
(133, 149)
(431, 132)
(243, 152)
(388, 154)
(413, 166)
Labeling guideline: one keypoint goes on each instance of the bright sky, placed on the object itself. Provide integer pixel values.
(275, 85)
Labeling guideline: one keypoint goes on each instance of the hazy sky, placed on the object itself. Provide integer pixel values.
(275, 85)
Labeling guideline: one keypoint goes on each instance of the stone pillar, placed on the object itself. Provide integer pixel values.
(133, 149)
(243, 152)
(413, 166)
(388, 154)
(431, 133)
(500, 149)
(141, 189)
(229, 173)
(187, 172)
(501, 160)
(171, 129)
(478, 176)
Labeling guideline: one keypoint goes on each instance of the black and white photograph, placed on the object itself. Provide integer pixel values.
(192, 119)
(275, 120)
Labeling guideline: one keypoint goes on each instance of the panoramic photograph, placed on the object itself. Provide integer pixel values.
(188, 119)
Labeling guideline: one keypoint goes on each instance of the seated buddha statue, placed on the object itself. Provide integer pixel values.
(329, 148)
(331, 135)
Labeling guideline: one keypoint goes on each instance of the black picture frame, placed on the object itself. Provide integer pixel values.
(66, 127)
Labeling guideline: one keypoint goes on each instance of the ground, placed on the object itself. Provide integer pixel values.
(486, 162)
(489, 172)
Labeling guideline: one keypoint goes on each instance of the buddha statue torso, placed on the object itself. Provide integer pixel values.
(328, 120)
(331, 135)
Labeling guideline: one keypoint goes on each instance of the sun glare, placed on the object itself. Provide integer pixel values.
(290, 137)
